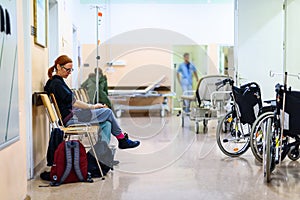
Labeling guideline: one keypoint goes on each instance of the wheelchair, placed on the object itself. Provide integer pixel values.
(282, 130)
(258, 129)
(234, 129)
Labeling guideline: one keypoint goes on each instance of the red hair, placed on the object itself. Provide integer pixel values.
(61, 60)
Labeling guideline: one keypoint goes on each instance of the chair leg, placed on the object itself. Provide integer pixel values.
(95, 137)
(94, 152)
(80, 138)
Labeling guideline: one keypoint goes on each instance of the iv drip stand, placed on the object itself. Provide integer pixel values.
(97, 56)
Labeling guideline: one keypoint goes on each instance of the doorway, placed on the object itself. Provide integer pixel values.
(53, 35)
(76, 80)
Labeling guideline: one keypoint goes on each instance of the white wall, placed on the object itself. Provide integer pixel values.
(70, 16)
(13, 182)
(84, 16)
(260, 43)
(150, 25)
(203, 23)
(53, 30)
(293, 41)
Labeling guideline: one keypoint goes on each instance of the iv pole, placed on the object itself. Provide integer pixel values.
(284, 35)
(97, 51)
(284, 7)
(98, 21)
(236, 39)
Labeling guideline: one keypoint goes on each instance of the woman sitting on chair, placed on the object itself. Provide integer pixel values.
(74, 111)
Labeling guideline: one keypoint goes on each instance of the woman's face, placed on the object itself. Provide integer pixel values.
(65, 70)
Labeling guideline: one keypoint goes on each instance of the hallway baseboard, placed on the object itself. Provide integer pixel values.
(39, 168)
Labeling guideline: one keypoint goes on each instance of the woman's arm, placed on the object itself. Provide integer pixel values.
(83, 105)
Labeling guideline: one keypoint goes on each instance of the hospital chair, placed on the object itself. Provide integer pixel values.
(84, 96)
(77, 94)
(55, 119)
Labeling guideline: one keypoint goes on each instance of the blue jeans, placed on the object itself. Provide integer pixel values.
(104, 117)
(105, 131)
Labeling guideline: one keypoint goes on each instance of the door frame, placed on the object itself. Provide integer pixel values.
(27, 10)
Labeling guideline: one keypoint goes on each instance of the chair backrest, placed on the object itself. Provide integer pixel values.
(73, 91)
(84, 95)
(49, 109)
(56, 108)
(206, 86)
(77, 95)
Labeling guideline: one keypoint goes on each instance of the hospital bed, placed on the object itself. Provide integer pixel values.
(121, 98)
(207, 102)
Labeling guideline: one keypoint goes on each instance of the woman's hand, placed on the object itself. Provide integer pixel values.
(99, 105)
(83, 105)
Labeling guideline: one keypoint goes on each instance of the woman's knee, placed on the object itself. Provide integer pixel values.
(108, 111)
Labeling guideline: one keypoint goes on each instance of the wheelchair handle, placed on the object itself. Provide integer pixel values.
(272, 74)
(223, 82)
(270, 101)
(250, 84)
(278, 87)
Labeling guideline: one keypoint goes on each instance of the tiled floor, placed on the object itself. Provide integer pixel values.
(174, 163)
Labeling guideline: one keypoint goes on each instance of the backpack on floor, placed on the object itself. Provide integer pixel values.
(104, 153)
(70, 164)
(93, 168)
(105, 157)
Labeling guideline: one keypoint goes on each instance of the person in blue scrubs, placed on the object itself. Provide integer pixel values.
(185, 73)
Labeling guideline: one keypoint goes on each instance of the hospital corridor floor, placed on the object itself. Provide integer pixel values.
(175, 163)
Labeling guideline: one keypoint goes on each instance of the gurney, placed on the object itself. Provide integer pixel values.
(207, 102)
(118, 96)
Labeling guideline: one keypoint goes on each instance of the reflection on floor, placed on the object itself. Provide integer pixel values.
(174, 163)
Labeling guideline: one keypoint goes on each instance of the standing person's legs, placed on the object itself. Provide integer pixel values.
(190, 88)
(185, 87)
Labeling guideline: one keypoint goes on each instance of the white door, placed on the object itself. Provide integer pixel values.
(293, 41)
(75, 77)
(53, 31)
(259, 38)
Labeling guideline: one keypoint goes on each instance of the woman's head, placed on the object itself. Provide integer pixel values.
(63, 67)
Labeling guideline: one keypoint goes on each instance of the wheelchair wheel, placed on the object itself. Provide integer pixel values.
(257, 135)
(268, 152)
(294, 153)
(232, 136)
